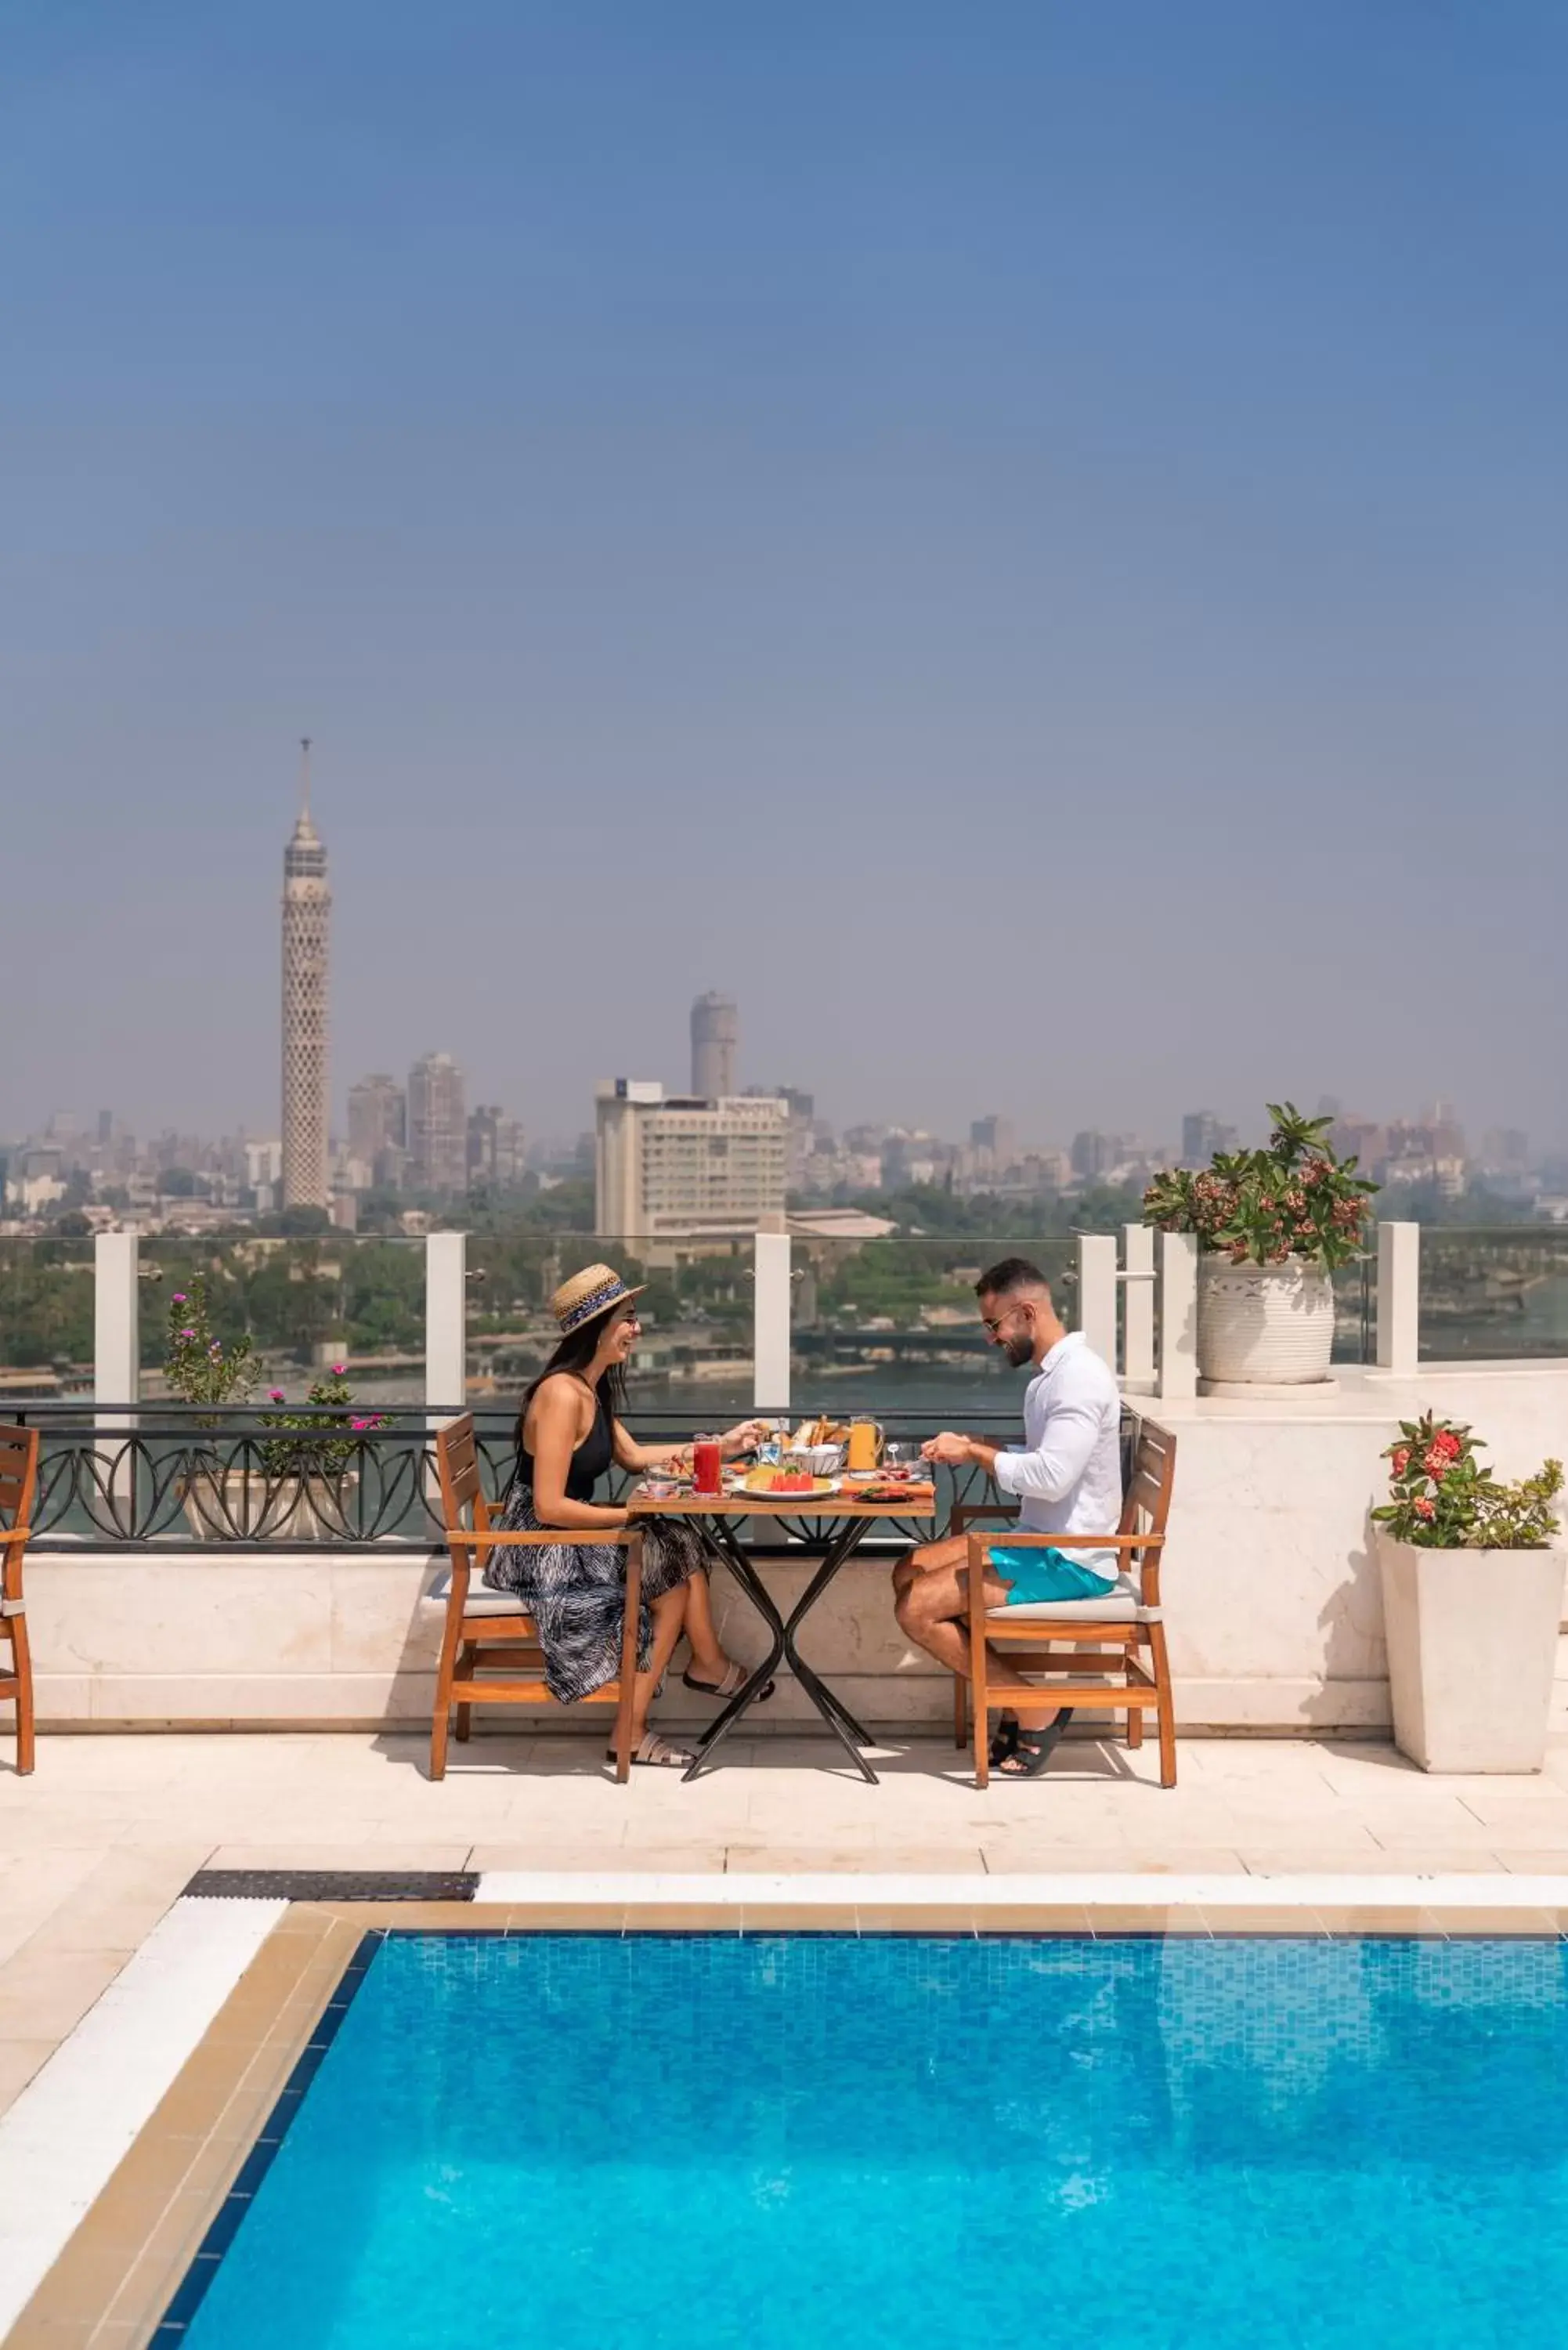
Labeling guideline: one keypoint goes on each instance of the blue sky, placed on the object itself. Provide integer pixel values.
(1029, 542)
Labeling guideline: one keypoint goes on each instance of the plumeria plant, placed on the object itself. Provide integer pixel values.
(1443, 1498)
(317, 1454)
(198, 1367)
(1293, 1199)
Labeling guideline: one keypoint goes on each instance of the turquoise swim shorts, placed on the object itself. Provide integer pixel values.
(1041, 1575)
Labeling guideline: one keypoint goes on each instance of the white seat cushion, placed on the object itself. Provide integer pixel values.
(480, 1599)
(1119, 1605)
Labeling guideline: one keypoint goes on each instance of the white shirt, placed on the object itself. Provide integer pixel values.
(1068, 1472)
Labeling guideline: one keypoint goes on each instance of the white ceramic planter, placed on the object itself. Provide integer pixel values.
(1264, 1324)
(1472, 1645)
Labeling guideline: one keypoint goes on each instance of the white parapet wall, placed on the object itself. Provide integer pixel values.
(1271, 1591)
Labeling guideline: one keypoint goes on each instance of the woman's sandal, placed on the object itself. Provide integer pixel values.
(735, 1679)
(1034, 1748)
(660, 1753)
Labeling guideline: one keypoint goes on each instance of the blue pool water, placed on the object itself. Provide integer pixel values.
(596, 2144)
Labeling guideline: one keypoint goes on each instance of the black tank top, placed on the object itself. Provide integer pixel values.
(589, 1461)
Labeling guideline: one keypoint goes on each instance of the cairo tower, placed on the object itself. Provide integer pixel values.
(307, 914)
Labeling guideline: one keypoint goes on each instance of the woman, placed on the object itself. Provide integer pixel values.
(568, 1432)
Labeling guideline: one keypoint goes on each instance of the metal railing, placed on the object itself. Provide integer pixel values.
(183, 1477)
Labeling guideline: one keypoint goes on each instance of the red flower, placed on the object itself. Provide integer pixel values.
(1424, 1509)
(1434, 1460)
(1401, 1455)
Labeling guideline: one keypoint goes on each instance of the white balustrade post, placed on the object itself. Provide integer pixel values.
(1137, 1307)
(117, 1359)
(1178, 1314)
(771, 1324)
(1097, 1292)
(446, 1322)
(1398, 1297)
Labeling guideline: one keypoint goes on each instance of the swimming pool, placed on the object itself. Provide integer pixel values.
(582, 2139)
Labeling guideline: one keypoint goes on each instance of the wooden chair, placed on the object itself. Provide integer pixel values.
(18, 1485)
(492, 1630)
(1126, 1622)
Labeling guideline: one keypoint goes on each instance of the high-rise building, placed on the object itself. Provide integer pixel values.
(307, 914)
(1091, 1154)
(377, 1129)
(716, 1035)
(800, 1112)
(497, 1149)
(996, 1139)
(1201, 1136)
(438, 1126)
(666, 1165)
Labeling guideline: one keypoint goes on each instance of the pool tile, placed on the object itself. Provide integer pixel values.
(1116, 1918)
(1279, 1918)
(1032, 1918)
(793, 1918)
(916, 1918)
(1351, 1923)
(682, 1918)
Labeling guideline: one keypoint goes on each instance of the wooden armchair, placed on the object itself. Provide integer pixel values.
(1120, 1628)
(18, 1485)
(493, 1630)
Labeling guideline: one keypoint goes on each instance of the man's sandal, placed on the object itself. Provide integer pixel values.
(661, 1753)
(1034, 1748)
(1005, 1741)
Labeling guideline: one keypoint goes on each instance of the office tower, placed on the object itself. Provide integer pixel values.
(1201, 1136)
(377, 1122)
(996, 1139)
(496, 1148)
(716, 1035)
(667, 1166)
(438, 1126)
(306, 913)
(1091, 1154)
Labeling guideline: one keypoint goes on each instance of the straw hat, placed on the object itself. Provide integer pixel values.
(589, 1294)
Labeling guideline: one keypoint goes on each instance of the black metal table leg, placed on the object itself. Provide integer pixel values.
(831, 1707)
(719, 1539)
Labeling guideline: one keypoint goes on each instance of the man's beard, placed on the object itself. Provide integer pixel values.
(1019, 1351)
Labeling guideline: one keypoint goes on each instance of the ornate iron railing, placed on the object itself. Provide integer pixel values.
(185, 1476)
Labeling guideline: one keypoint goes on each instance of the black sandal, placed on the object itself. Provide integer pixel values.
(1005, 1741)
(1034, 1748)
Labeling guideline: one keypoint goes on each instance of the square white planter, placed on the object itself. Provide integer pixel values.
(1472, 1647)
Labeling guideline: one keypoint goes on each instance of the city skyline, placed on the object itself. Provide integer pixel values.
(901, 523)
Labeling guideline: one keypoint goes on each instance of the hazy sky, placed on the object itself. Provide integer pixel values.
(1027, 540)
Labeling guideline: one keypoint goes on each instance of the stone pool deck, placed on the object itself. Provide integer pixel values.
(96, 1845)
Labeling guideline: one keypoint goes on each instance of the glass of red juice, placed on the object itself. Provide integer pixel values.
(706, 1459)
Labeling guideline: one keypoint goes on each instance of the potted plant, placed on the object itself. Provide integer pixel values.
(309, 1472)
(1273, 1226)
(200, 1370)
(1472, 1601)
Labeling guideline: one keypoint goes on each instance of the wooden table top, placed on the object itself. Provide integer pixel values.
(922, 1505)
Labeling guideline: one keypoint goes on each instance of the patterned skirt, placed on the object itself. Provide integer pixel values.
(576, 1592)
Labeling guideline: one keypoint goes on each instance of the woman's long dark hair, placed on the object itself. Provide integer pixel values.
(575, 1353)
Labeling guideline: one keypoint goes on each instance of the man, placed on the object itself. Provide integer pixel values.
(1068, 1478)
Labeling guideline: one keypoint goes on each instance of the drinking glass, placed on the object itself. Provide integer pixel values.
(707, 1469)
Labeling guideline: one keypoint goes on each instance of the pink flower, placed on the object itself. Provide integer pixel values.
(338, 1369)
(277, 1395)
(187, 1334)
(359, 1423)
(178, 1298)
